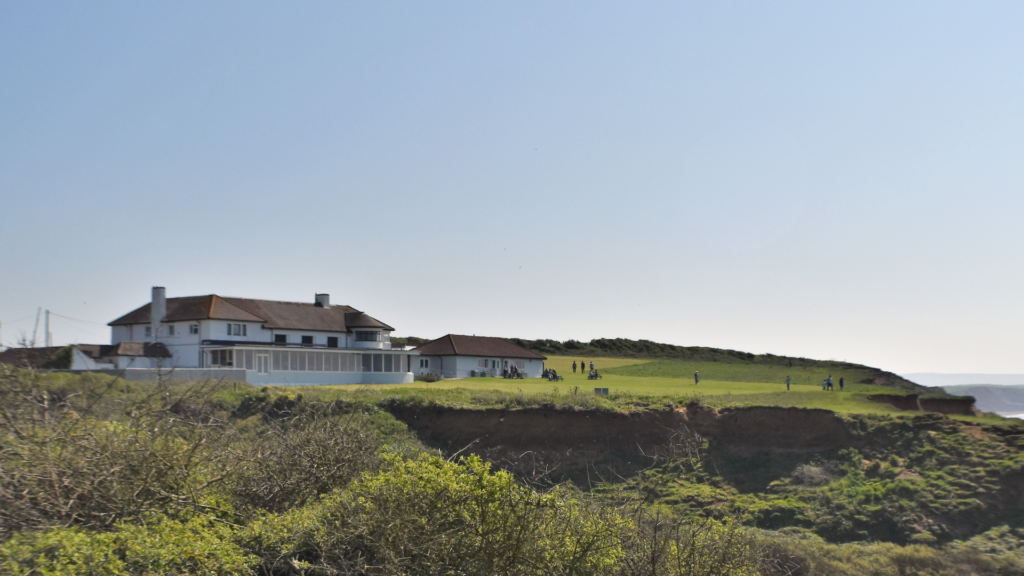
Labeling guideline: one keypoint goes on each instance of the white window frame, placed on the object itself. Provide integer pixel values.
(369, 336)
(193, 328)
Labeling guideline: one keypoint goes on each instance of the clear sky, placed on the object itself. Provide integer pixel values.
(824, 179)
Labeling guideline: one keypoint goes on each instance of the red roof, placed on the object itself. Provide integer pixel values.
(270, 313)
(456, 345)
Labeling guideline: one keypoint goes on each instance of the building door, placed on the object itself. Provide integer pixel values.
(263, 363)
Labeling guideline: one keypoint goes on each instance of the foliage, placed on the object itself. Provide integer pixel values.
(100, 476)
(796, 554)
(61, 359)
(430, 516)
(63, 466)
(294, 460)
(161, 546)
(657, 543)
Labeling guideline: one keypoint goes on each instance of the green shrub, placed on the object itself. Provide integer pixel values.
(429, 516)
(163, 546)
(296, 460)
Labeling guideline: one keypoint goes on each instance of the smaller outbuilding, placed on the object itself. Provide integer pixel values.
(455, 356)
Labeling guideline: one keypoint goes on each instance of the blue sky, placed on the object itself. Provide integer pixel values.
(814, 179)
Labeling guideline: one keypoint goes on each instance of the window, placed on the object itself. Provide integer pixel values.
(222, 358)
(170, 329)
(482, 363)
(149, 331)
(193, 328)
(367, 336)
(280, 338)
(307, 340)
(389, 363)
(378, 362)
(367, 362)
(237, 329)
(424, 363)
(280, 360)
(332, 341)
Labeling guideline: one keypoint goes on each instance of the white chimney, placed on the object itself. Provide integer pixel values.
(158, 309)
(323, 300)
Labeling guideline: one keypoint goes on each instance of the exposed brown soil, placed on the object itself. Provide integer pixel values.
(961, 406)
(900, 401)
(584, 434)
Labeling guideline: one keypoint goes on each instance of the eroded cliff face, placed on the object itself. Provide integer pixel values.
(590, 434)
(962, 406)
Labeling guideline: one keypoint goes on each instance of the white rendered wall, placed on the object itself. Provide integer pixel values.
(79, 361)
(321, 378)
(463, 366)
(120, 334)
(433, 365)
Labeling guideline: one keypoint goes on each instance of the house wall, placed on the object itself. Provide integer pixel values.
(433, 365)
(322, 378)
(187, 349)
(463, 366)
(79, 361)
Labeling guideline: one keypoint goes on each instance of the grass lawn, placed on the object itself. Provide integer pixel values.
(679, 390)
(737, 372)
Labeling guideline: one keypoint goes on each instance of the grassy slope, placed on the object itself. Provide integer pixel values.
(627, 378)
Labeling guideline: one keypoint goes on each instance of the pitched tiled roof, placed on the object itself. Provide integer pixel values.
(456, 345)
(270, 313)
(190, 308)
(147, 349)
(27, 357)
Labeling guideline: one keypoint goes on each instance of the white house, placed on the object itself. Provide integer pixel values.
(266, 341)
(455, 356)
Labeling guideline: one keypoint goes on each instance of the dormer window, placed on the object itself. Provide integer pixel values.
(368, 336)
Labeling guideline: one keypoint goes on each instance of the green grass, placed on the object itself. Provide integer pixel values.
(649, 388)
(735, 372)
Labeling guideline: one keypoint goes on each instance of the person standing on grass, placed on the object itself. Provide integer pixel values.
(829, 380)
(573, 366)
(787, 383)
(591, 365)
(842, 382)
(696, 378)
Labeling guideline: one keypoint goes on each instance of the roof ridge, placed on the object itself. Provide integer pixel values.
(452, 340)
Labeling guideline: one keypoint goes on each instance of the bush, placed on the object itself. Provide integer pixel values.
(162, 546)
(656, 544)
(301, 458)
(429, 516)
(64, 467)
